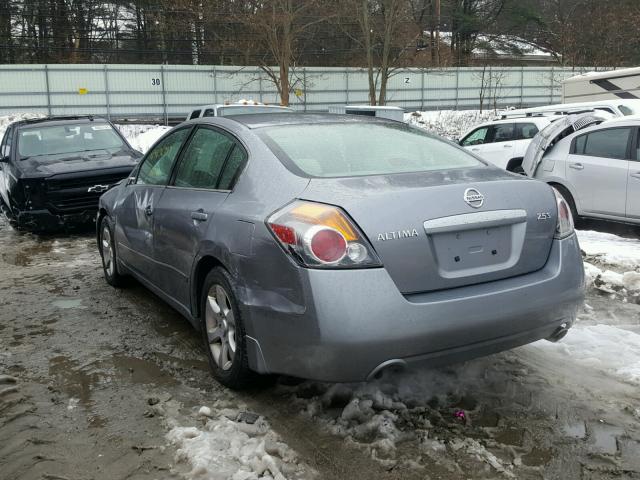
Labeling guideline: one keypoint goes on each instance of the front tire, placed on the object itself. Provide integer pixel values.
(223, 331)
(106, 245)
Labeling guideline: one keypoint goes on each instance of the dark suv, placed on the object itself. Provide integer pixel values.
(53, 170)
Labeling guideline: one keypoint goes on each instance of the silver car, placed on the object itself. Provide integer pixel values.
(332, 247)
(594, 164)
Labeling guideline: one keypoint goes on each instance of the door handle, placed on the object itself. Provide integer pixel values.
(577, 166)
(199, 215)
(475, 149)
(148, 210)
(636, 175)
(507, 146)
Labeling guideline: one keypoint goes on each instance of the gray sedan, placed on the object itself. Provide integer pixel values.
(333, 247)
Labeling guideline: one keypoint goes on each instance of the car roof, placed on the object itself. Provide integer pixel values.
(260, 120)
(630, 120)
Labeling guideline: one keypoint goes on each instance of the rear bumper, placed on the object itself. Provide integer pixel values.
(356, 320)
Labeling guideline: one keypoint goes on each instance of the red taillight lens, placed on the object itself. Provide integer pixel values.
(321, 236)
(564, 227)
(327, 245)
(285, 234)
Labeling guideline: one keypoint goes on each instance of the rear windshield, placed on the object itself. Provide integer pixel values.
(69, 138)
(352, 149)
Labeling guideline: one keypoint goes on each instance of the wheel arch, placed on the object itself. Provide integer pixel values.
(557, 183)
(201, 269)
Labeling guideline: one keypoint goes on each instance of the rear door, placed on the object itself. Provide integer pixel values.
(633, 185)
(597, 170)
(524, 133)
(136, 215)
(498, 144)
(202, 180)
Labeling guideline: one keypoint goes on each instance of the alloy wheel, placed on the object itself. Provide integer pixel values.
(107, 254)
(221, 327)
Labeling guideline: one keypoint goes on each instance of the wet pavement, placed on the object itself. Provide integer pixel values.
(92, 379)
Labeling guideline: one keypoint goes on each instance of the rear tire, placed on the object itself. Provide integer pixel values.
(223, 331)
(106, 245)
(572, 205)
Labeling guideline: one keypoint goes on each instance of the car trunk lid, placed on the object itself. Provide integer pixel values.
(446, 229)
(548, 137)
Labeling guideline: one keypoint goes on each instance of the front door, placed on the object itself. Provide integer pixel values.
(134, 233)
(185, 216)
(633, 185)
(597, 170)
(5, 151)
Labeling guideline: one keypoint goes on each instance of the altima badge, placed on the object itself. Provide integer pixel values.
(473, 198)
(396, 235)
(98, 189)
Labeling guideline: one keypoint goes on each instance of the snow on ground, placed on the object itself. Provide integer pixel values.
(142, 137)
(230, 444)
(610, 249)
(611, 349)
(451, 124)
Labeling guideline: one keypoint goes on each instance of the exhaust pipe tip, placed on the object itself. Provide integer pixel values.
(395, 365)
(559, 333)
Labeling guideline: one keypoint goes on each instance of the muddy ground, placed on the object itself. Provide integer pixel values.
(92, 379)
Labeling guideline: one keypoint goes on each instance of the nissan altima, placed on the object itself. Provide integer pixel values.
(333, 247)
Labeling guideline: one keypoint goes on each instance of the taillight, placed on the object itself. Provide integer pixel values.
(564, 227)
(321, 236)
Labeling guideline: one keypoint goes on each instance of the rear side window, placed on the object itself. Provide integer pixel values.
(476, 137)
(504, 132)
(209, 112)
(625, 110)
(526, 131)
(234, 164)
(156, 166)
(194, 114)
(203, 159)
(362, 148)
(609, 143)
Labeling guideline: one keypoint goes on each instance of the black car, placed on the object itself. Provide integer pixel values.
(54, 169)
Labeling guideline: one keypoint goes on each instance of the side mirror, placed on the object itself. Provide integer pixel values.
(4, 159)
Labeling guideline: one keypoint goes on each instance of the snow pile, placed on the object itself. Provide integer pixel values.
(451, 124)
(614, 350)
(142, 137)
(6, 120)
(403, 418)
(235, 446)
(609, 249)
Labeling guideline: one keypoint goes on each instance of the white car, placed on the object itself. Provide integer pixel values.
(240, 108)
(616, 108)
(594, 164)
(504, 142)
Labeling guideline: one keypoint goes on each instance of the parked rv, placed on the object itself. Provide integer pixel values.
(598, 86)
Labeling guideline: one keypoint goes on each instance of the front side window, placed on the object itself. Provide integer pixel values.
(504, 132)
(362, 148)
(477, 137)
(156, 166)
(609, 143)
(209, 112)
(5, 147)
(70, 138)
(203, 160)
